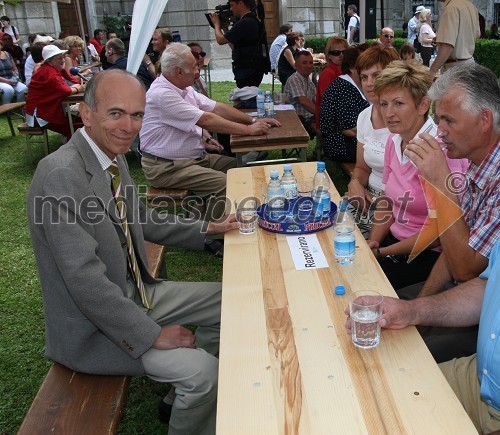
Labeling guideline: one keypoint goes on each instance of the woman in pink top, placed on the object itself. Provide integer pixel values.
(426, 36)
(402, 89)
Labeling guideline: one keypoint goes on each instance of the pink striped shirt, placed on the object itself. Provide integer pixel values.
(169, 127)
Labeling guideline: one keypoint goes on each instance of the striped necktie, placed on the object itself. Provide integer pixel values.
(132, 259)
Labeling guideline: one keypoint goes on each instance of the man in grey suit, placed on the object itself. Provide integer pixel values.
(96, 322)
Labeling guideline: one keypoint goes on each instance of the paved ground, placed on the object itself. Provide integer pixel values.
(226, 75)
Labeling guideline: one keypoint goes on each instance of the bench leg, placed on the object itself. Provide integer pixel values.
(9, 119)
(28, 149)
(46, 141)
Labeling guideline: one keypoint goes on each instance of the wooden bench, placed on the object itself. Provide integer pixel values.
(161, 197)
(29, 132)
(9, 109)
(165, 197)
(70, 402)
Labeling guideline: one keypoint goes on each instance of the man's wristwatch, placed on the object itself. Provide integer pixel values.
(208, 139)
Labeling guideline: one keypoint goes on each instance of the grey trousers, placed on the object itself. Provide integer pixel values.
(193, 372)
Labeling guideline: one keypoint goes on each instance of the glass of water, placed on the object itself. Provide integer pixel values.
(365, 308)
(246, 214)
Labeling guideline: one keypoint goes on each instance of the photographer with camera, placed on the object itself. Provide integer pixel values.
(247, 39)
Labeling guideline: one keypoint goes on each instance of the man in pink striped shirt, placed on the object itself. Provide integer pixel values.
(174, 134)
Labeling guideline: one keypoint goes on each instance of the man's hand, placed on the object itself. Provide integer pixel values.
(396, 314)
(172, 337)
(222, 225)
(215, 20)
(261, 126)
(213, 145)
(429, 158)
(270, 122)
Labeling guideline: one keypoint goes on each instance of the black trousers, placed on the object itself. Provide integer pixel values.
(401, 273)
(426, 54)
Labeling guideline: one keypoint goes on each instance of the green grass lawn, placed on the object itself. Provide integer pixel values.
(22, 362)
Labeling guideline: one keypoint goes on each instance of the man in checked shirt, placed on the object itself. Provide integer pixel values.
(467, 105)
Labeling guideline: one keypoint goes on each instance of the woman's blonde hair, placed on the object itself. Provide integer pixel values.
(410, 75)
(73, 41)
(335, 40)
(423, 15)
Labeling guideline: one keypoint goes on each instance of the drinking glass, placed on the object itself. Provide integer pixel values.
(365, 308)
(246, 214)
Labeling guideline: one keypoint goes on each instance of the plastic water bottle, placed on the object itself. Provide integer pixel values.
(289, 183)
(344, 241)
(275, 197)
(321, 194)
(261, 111)
(269, 105)
(15, 78)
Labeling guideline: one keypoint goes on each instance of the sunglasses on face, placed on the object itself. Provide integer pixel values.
(202, 54)
(335, 52)
(388, 36)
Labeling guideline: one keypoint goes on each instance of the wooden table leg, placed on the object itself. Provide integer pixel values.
(303, 154)
(239, 160)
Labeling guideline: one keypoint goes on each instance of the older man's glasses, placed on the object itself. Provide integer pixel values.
(388, 36)
(335, 52)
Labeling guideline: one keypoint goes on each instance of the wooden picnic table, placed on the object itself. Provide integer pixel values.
(287, 365)
(291, 135)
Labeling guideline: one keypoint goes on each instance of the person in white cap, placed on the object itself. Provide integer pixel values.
(39, 41)
(47, 90)
(414, 25)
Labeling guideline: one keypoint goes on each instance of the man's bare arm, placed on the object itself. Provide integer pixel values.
(444, 51)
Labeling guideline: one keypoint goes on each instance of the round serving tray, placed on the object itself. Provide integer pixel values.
(293, 221)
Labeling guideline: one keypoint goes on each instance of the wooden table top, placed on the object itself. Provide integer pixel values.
(287, 365)
(291, 130)
(74, 98)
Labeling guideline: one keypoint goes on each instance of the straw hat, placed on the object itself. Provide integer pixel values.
(49, 51)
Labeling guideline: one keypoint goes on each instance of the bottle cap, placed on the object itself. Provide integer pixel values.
(274, 173)
(321, 165)
(340, 290)
(287, 167)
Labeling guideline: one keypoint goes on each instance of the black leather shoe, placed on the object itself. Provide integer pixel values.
(214, 247)
(164, 412)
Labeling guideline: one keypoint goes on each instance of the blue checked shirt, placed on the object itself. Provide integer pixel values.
(488, 342)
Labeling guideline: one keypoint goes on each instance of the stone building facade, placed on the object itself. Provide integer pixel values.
(312, 17)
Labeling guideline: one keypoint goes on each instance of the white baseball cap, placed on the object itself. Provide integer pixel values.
(49, 51)
(43, 39)
(419, 9)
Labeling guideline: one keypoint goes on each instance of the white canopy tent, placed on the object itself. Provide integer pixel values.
(145, 18)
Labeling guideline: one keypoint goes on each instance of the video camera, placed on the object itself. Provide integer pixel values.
(225, 15)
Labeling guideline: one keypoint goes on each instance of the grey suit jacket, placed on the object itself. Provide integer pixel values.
(80, 249)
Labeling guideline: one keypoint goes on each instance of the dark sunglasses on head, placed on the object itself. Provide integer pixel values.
(202, 53)
(388, 36)
(335, 52)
